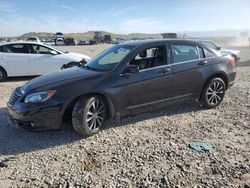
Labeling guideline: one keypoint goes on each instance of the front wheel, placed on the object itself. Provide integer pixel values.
(3, 75)
(213, 93)
(89, 115)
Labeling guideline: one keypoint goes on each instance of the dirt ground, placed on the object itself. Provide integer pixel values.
(146, 150)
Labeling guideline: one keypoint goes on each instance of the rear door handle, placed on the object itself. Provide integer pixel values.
(203, 62)
(3, 58)
(163, 71)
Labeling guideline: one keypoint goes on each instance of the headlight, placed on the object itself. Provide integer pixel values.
(39, 97)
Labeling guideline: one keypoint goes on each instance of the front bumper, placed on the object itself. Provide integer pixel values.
(36, 117)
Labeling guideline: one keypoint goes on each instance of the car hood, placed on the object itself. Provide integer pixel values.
(76, 56)
(58, 77)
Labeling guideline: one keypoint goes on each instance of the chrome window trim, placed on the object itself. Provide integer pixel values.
(162, 66)
(193, 60)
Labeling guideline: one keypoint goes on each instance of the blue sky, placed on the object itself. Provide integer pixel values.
(155, 16)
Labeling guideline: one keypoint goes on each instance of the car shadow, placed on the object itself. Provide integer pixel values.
(14, 140)
(20, 78)
(181, 108)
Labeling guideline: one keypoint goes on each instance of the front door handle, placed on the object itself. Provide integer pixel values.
(3, 57)
(203, 62)
(163, 71)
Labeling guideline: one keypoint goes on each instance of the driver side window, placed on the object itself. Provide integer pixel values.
(38, 49)
(150, 57)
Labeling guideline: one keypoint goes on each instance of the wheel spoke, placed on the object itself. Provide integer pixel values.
(215, 98)
(92, 124)
(93, 105)
(210, 89)
(219, 89)
(214, 86)
(90, 113)
(219, 98)
(210, 99)
(98, 122)
(101, 107)
(217, 86)
(100, 117)
(219, 92)
(90, 118)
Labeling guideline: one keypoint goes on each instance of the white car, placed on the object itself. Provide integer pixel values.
(31, 58)
(33, 39)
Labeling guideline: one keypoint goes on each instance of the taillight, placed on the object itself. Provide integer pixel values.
(231, 60)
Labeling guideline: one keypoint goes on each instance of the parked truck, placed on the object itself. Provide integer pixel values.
(58, 38)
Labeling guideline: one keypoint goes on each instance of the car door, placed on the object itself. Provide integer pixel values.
(15, 59)
(189, 67)
(43, 61)
(151, 85)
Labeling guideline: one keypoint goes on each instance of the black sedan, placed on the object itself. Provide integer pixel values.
(125, 79)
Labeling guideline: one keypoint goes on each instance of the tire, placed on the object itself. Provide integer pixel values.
(213, 93)
(89, 115)
(3, 75)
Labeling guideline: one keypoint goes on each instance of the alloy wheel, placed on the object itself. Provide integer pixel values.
(95, 115)
(215, 93)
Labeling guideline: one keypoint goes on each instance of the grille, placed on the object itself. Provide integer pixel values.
(15, 96)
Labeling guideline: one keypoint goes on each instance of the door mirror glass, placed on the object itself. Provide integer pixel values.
(131, 69)
(53, 52)
(218, 48)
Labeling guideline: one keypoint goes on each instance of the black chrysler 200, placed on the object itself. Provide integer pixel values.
(127, 78)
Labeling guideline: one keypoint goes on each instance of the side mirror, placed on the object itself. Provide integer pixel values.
(53, 52)
(131, 69)
(218, 48)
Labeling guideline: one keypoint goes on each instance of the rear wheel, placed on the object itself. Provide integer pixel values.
(213, 93)
(89, 115)
(3, 74)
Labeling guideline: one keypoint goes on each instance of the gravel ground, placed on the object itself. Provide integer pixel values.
(147, 150)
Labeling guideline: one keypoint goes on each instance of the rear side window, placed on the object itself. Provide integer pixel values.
(209, 44)
(208, 54)
(185, 52)
(15, 48)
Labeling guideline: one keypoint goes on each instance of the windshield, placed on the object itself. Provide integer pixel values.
(109, 58)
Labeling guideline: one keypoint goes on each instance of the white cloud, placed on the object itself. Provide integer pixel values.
(67, 7)
(5, 7)
(144, 25)
(115, 12)
(22, 24)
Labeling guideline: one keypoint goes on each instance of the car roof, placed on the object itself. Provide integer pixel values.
(156, 41)
(21, 42)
